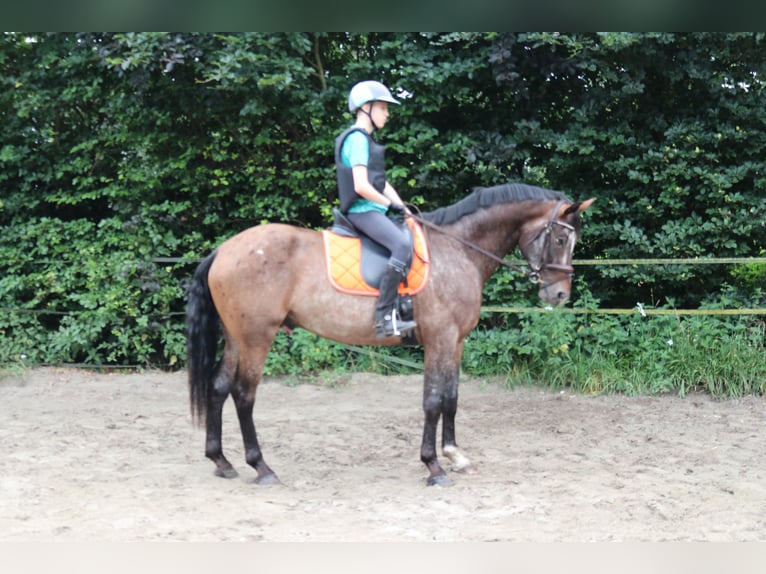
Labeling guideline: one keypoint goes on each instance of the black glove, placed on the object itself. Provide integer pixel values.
(396, 209)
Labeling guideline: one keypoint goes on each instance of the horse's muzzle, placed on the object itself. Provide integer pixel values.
(555, 292)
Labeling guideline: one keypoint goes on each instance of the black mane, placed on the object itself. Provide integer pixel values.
(487, 197)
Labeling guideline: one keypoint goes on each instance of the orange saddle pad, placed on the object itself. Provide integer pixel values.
(343, 262)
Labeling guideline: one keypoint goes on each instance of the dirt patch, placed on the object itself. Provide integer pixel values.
(102, 457)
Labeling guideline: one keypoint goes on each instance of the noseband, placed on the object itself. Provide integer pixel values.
(545, 232)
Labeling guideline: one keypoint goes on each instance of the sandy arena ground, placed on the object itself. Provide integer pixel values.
(114, 457)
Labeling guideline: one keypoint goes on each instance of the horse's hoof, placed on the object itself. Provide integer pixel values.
(228, 472)
(459, 461)
(439, 480)
(268, 480)
(470, 469)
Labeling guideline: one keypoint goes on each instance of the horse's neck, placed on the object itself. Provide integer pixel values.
(496, 230)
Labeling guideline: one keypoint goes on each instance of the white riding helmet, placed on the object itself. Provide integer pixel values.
(368, 91)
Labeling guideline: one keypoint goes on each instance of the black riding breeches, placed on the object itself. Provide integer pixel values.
(381, 229)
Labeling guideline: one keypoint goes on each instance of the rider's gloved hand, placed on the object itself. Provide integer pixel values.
(396, 209)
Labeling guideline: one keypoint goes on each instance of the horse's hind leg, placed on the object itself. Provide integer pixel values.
(216, 398)
(243, 393)
(245, 401)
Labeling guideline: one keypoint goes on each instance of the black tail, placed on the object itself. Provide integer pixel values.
(202, 334)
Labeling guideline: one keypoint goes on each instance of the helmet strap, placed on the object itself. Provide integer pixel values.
(369, 115)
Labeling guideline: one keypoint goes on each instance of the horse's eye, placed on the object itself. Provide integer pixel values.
(560, 241)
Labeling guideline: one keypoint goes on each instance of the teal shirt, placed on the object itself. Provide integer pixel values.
(356, 151)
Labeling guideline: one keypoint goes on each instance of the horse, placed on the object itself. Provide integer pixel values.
(272, 276)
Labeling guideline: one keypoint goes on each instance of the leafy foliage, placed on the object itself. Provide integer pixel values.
(634, 353)
(119, 152)
(659, 128)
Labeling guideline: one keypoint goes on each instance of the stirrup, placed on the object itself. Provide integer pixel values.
(392, 326)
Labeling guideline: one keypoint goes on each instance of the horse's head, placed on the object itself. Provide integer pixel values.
(548, 243)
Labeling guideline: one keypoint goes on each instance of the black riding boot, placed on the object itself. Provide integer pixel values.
(387, 323)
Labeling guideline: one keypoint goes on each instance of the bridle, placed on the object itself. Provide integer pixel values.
(535, 269)
(545, 232)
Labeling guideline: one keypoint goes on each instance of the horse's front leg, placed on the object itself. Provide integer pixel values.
(433, 397)
(440, 393)
(439, 398)
(460, 462)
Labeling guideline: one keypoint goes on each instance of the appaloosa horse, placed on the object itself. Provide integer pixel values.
(272, 276)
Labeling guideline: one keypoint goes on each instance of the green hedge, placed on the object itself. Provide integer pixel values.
(118, 150)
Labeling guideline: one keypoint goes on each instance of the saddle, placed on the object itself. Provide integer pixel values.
(355, 263)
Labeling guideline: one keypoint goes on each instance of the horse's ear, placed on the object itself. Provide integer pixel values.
(579, 206)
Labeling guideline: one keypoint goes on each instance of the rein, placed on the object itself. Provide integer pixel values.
(534, 274)
(531, 274)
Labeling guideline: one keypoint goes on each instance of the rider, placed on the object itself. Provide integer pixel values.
(366, 196)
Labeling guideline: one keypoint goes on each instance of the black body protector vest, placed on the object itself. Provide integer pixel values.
(376, 171)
